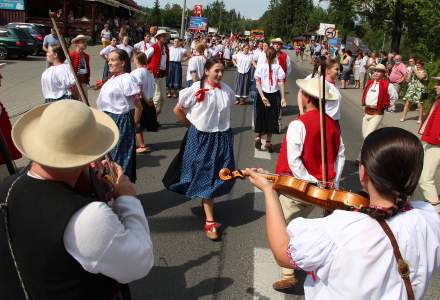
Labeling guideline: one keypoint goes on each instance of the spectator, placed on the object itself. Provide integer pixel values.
(357, 68)
(397, 77)
(346, 69)
(106, 36)
(416, 89)
(49, 41)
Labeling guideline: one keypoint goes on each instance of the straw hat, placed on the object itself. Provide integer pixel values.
(379, 67)
(277, 40)
(80, 37)
(313, 86)
(161, 32)
(436, 78)
(65, 134)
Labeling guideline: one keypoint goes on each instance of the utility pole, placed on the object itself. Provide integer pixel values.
(182, 25)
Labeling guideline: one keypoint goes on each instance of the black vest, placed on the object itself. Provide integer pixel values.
(39, 212)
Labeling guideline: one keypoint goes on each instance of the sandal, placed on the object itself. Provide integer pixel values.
(258, 143)
(169, 95)
(142, 149)
(211, 230)
(269, 146)
(237, 102)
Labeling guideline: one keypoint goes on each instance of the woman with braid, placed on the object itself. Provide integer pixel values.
(350, 254)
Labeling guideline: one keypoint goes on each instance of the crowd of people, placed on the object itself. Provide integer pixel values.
(48, 250)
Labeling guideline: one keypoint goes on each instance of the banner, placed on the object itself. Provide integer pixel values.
(198, 9)
(12, 4)
(198, 23)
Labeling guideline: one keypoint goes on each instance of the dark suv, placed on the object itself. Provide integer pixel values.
(38, 32)
(17, 42)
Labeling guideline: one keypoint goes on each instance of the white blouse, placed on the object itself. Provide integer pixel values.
(332, 108)
(117, 95)
(106, 51)
(56, 81)
(128, 49)
(352, 258)
(244, 62)
(142, 46)
(177, 54)
(213, 114)
(196, 64)
(145, 80)
(262, 59)
(262, 75)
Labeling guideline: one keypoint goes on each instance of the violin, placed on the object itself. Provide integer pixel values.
(327, 198)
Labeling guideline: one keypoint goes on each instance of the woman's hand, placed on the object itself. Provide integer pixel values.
(259, 181)
(283, 103)
(265, 101)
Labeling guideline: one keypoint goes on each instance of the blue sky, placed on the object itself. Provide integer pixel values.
(249, 8)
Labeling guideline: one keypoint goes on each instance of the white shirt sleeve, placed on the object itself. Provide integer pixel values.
(281, 75)
(113, 241)
(192, 67)
(394, 96)
(130, 87)
(150, 52)
(339, 163)
(258, 73)
(296, 134)
(288, 66)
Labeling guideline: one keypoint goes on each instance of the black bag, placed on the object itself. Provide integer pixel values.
(149, 117)
(172, 175)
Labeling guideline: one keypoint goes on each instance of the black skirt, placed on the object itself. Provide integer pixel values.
(267, 117)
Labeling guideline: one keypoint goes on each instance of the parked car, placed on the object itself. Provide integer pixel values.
(17, 42)
(287, 47)
(174, 34)
(37, 31)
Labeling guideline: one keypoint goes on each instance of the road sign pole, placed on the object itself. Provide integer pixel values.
(182, 24)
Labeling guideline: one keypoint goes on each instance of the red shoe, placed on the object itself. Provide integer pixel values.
(211, 230)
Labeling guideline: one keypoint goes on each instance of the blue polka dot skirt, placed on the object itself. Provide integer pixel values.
(205, 154)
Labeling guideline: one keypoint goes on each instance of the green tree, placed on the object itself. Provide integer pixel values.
(156, 17)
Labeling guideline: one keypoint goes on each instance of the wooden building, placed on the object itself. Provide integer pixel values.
(79, 16)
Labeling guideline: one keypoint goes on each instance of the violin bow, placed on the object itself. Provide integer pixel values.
(81, 92)
(323, 126)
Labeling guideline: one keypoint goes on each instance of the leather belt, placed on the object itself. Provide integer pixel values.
(373, 110)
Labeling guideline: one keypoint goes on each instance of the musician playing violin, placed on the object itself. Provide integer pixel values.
(347, 254)
(300, 156)
(66, 244)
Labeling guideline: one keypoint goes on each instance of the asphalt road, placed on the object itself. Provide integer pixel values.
(187, 264)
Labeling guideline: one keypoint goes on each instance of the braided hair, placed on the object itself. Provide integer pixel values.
(271, 55)
(393, 160)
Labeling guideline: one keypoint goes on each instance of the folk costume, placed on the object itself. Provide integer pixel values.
(57, 83)
(300, 156)
(243, 76)
(174, 79)
(145, 80)
(376, 97)
(283, 60)
(66, 244)
(268, 77)
(158, 63)
(6, 127)
(196, 65)
(430, 131)
(81, 65)
(116, 99)
(142, 46)
(105, 52)
(129, 49)
(209, 141)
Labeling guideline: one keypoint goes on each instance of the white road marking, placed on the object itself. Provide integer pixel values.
(266, 271)
(262, 154)
(259, 201)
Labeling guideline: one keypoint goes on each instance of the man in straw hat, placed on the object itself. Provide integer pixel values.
(376, 97)
(300, 156)
(430, 131)
(282, 57)
(81, 60)
(59, 243)
(158, 57)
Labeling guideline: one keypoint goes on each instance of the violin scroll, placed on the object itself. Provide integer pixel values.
(226, 174)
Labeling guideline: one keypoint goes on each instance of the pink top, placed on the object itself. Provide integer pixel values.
(397, 72)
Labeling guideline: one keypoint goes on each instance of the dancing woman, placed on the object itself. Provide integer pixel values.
(243, 62)
(120, 99)
(270, 79)
(209, 142)
(104, 54)
(57, 81)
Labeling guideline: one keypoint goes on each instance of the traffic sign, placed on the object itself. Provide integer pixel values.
(330, 32)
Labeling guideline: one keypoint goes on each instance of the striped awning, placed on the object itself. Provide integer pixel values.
(119, 4)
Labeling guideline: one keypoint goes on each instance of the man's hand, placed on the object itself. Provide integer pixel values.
(123, 186)
(283, 102)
